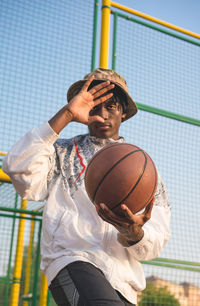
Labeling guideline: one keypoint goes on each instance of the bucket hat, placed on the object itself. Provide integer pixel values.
(101, 74)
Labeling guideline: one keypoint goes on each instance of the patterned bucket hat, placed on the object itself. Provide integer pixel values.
(101, 74)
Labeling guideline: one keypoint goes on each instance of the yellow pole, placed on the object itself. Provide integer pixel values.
(18, 259)
(153, 19)
(4, 177)
(43, 291)
(105, 29)
(28, 263)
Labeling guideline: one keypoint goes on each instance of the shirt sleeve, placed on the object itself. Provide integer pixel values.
(156, 230)
(29, 162)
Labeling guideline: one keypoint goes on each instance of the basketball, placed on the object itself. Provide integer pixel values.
(121, 173)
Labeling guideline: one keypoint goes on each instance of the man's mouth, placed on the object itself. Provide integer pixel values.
(103, 126)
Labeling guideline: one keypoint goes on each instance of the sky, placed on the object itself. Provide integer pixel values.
(46, 45)
(182, 13)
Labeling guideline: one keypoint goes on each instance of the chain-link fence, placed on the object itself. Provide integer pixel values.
(45, 47)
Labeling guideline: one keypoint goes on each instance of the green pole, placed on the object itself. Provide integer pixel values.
(167, 114)
(31, 212)
(114, 55)
(168, 265)
(94, 43)
(191, 41)
(10, 254)
(37, 266)
(48, 298)
(177, 261)
(19, 217)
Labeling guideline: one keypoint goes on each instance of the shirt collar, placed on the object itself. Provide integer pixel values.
(104, 141)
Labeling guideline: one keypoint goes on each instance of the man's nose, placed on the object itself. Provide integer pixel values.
(103, 112)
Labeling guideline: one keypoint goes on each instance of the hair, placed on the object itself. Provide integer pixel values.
(118, 95)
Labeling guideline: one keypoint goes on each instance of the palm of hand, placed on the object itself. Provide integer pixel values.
(81, 105)
(128, 224)
(131, 227)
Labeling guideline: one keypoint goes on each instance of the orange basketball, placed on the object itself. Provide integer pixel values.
(121, 173)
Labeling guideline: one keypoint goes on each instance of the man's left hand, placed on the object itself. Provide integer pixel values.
(128, 224)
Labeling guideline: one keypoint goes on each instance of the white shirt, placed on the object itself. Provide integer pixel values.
(43, 167)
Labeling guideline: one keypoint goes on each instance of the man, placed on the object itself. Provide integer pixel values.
(90, 255)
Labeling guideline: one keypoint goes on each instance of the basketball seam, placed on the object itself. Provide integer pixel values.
(107, 148)
(106, 174)
(154, 189)
(141, 175)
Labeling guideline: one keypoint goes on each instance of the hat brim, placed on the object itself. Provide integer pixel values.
(131, 109)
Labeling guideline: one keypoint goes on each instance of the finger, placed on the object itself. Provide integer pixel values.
(105, 218)
(87, 83)
(148, 210)
(99, 93)
(109, 213)
(104, 215)
(128, 213)
(116, 219)
(98, 87)
(106, 211)
(103, 99)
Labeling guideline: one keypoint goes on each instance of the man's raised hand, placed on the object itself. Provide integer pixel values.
(81, 104)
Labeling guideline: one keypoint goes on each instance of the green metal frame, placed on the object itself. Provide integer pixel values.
(94, 42)
(13, 213)
(164, 113)
(114, 49)
(10, 255)
(173, 263)
(162, 262)
(21, 211)
(156, 28)
(141, 106)
(37, 265)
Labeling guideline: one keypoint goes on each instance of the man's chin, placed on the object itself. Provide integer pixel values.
(103, 134)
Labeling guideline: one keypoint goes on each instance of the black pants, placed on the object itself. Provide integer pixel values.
(82, 284)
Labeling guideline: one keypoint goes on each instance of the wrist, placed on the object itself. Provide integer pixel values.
(136, 238)
(68, 113)
(61, 119)
(129, 240)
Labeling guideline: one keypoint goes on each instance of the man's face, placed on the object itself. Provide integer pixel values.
(112, 113)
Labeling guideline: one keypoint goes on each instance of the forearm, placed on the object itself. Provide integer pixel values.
(156, 235)
(61, 119)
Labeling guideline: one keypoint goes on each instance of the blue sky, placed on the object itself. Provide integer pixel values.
(182, 13)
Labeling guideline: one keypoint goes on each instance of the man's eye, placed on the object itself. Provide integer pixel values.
(111, 106)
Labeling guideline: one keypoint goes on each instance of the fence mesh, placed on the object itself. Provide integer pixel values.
(45, 47)
(162, 71)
